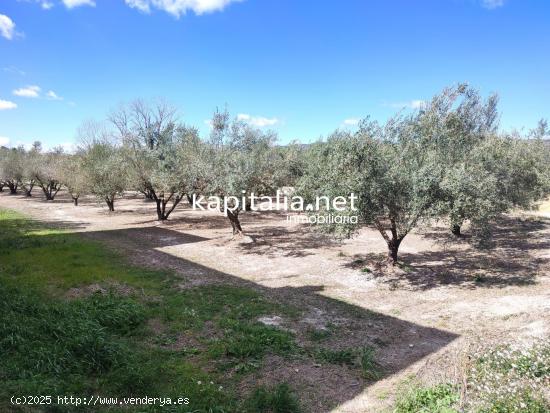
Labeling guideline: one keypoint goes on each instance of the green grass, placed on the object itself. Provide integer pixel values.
(335, 356)
(369, 366)
(103, 344)
(361, 358)
(277, 400)
(501, 379)
(438, 399)
(91, 346)
(317, 335)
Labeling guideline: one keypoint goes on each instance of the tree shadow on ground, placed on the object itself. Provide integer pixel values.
(322, 386)
(516, 258)
(286, 241)
(193, 222)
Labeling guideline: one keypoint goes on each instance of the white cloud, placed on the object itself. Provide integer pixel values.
(6, 105)
(70, 4)
(53, 96)
(258, 121)
(179, 7)
(141, 5)
(32, 91)
(413, 104)
(243, 116)
(7, 27)
(351, 121)
(416, 104)
(45, 4)
(4, 141)
(492, 4)
(13, 70)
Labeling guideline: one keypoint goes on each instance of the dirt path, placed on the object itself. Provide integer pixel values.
(446, 295)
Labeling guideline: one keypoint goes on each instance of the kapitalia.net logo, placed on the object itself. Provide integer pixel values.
(320, 211)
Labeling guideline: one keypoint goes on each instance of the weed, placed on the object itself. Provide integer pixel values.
(438, 399)
(276, 400)
(369, 366)
(315, 334)
(335, 356)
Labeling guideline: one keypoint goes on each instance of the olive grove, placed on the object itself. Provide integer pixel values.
(444, 161)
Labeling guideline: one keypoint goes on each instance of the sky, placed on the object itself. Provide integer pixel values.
(300, 67)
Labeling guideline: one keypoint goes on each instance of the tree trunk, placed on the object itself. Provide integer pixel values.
(455, 229)
(161, 208)
(75, 201)
(110, 204)
(13, 187)
(162, 213)
(50, 189)
(393, 249)
(28, 190)
(235, 222)
(48, 194)
(148, 194)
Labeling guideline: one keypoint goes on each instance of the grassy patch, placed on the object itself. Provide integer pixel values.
(335, 356)
(369, 366)
(315, 334)
(103, 343)
(502, 379)
(91, 346)
(437, 399)
(277, 400)
(361, 358)
(76, 319)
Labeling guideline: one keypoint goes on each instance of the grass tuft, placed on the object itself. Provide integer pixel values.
(276, 400)
(438, 399)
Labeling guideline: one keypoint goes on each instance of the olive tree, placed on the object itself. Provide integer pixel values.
(103, 163)
(31, 165)
(453, 126)
(74, 176)
(290, 163)
(159, 151)
(519, 170)
(105, 171)
(386, 168)
(486, 173)
(241, 162)
(47, 173)
(12, 168)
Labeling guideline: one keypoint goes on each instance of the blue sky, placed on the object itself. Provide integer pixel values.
(301, 67)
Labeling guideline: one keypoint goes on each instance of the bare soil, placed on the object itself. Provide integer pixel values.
(419, 316)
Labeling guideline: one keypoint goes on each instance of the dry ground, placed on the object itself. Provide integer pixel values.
(419, 317)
